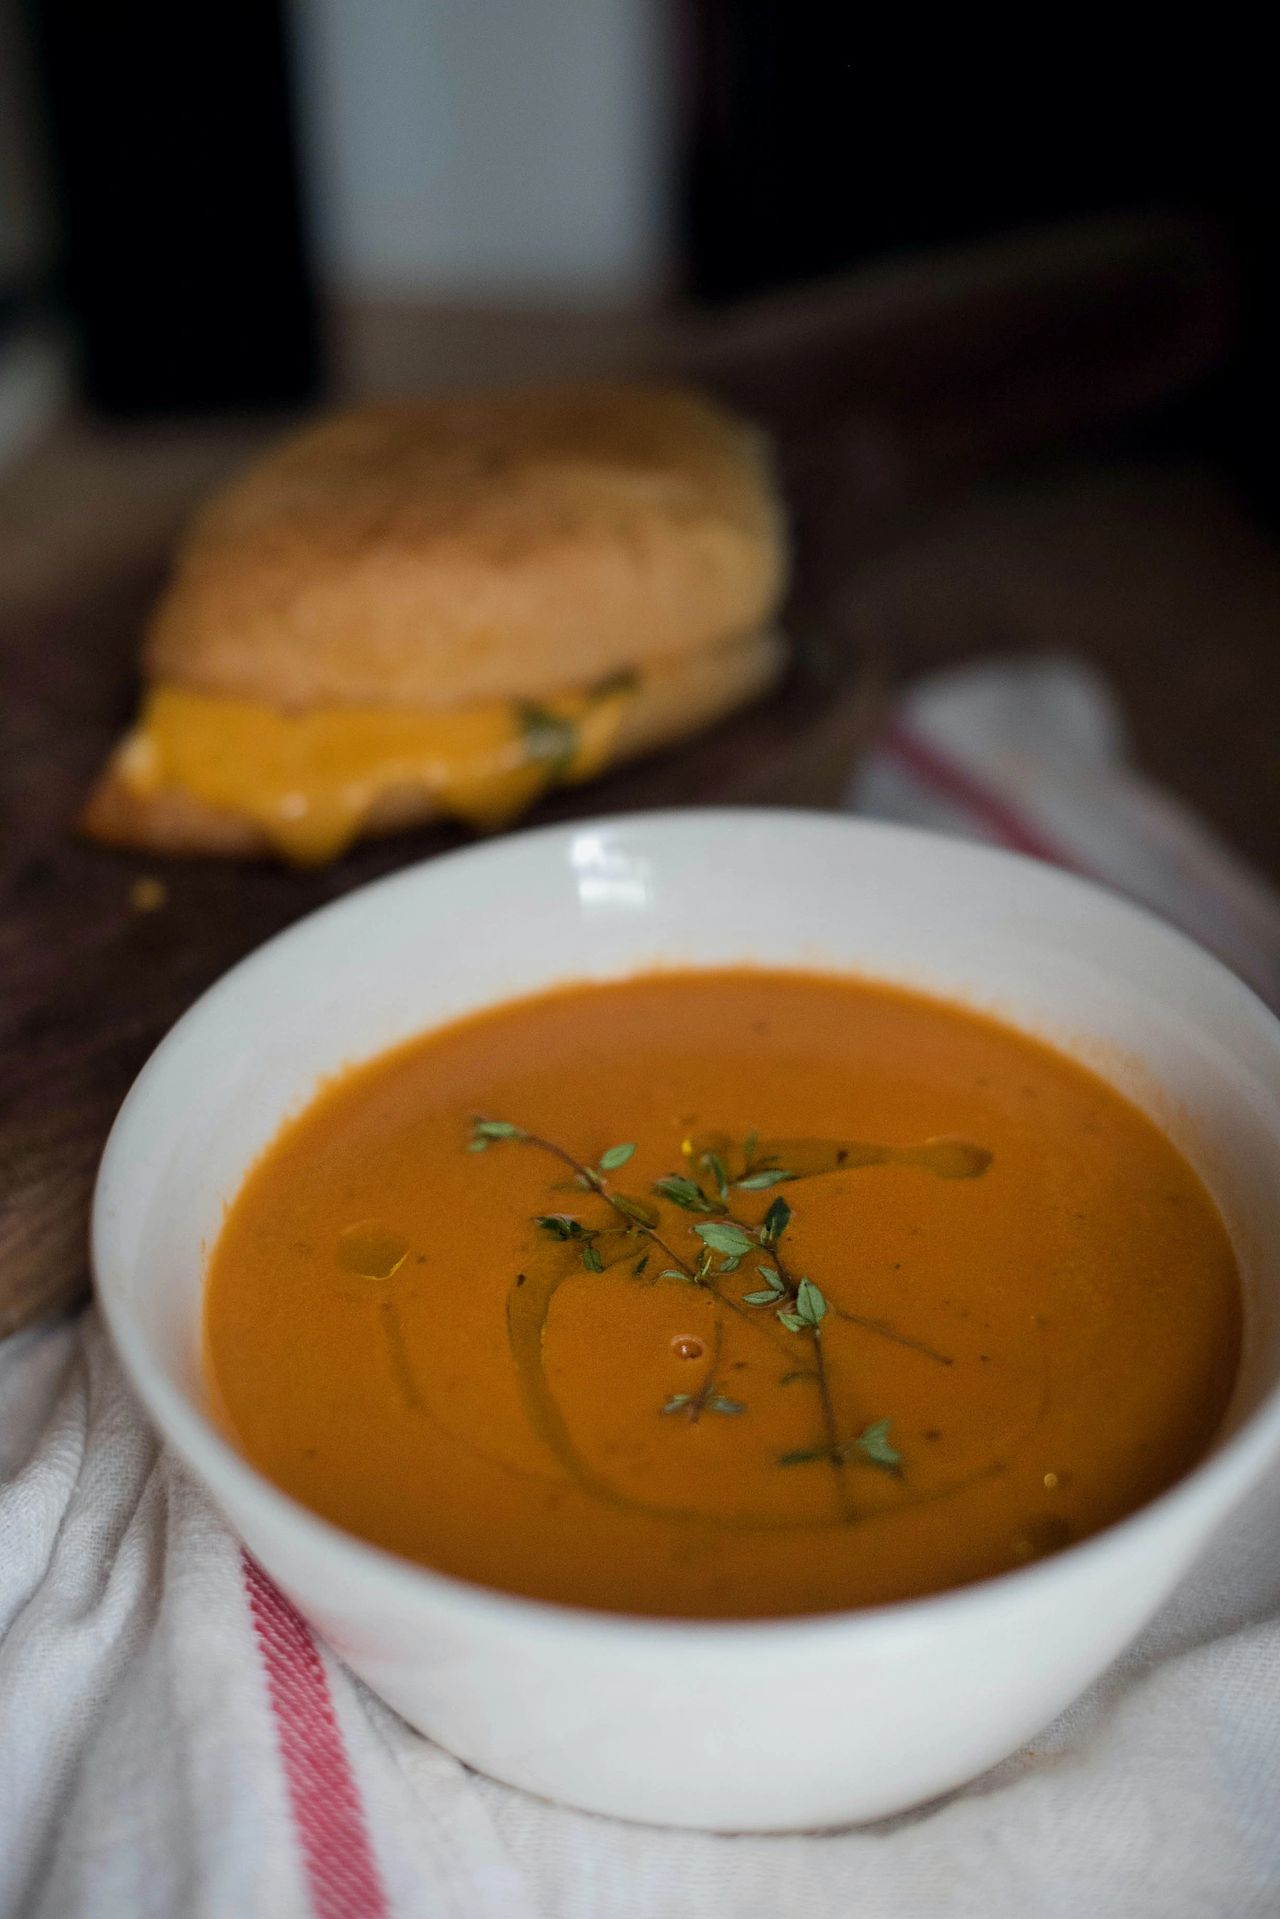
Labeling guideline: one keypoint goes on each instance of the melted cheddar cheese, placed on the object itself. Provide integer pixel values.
(310, 780)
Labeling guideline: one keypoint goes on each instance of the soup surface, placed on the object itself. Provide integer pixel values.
(750, 1293)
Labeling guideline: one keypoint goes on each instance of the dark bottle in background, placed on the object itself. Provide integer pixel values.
(185, 269)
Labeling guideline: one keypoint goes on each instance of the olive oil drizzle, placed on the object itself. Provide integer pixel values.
(527, 1331)
(789, 1159)
(528, 1311)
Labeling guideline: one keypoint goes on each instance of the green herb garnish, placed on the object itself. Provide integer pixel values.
(685, 1193)
(799, 1305)
(774, 1290)
(548, 739)
(718, 1171)
(873, 1444)
(808, 1312)
(559, 1225)
(776, 1221)
(693, 1404)
(723, 1236)
(810, 1304)
(485, 1130)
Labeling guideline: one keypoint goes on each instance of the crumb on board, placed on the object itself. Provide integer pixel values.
(148, 894)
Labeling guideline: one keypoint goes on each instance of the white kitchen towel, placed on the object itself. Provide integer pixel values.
(173, 1742)
(1034, 756)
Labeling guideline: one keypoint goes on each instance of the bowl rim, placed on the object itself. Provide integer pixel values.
(1211, 1485)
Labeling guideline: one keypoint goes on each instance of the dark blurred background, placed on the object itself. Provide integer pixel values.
(256, 204)
(1005, 298)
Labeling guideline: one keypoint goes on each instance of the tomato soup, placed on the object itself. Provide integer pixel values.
(722, 1294)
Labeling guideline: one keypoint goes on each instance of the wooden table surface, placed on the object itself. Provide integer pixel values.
(920, 543)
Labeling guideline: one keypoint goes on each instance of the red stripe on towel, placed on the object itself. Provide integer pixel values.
(341, 1872)
(936, 769)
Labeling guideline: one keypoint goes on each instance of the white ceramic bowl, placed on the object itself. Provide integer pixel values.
(735, 1725)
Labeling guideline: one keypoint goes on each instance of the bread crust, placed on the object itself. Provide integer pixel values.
(442, 551)
(688, 695)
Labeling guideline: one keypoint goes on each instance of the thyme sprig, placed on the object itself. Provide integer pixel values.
(803, 1309)
(796, 1303)
(636, 1214)
(871, 1444)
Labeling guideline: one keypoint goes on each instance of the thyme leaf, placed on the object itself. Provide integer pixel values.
(686, 1194)
(810, 1304)
(775, 1290)
(776, 1221)
(712, 1403)
(718, 1171)
(560, 1225)
(873, 1444)
(724, 1237)
(808, 1311)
